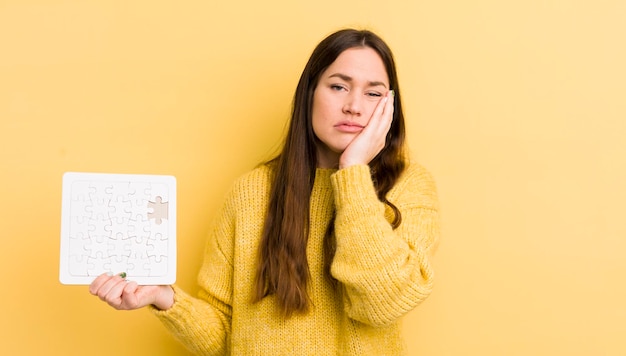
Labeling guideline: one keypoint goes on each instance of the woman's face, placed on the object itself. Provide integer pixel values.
(344, 99)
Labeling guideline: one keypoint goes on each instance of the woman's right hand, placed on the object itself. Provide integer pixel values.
(127, 295)
(371, 140)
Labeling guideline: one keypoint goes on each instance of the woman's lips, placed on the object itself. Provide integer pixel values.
(349, 127)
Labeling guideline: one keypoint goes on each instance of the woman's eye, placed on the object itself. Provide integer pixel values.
(374, 94)
(337, 87)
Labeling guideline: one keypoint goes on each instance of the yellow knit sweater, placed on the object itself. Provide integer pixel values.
(383, 273)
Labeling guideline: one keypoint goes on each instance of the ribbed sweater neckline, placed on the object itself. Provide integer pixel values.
(322, 178)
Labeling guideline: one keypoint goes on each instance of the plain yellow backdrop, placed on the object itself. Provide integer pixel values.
(518, 108)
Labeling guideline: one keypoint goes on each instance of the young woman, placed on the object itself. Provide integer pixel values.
(323, 249)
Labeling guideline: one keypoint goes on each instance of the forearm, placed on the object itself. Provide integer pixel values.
(385, 273)
(197, 324)
(384, 277)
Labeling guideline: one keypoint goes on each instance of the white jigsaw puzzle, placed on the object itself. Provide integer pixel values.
(118, 223)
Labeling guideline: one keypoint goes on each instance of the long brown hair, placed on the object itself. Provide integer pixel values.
(283, 268)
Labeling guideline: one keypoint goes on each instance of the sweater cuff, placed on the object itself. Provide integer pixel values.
(353, 185)
(182, 305)
(180, 315)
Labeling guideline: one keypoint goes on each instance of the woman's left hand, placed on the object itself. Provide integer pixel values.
(369, 142)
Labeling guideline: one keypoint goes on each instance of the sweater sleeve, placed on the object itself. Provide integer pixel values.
(385, 273)
(203, 324)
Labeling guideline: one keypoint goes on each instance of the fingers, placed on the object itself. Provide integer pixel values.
(110, 289)
(127, 295)
(99, 282)
(376, 130)
(372, 139)
(383, 114)
(95, 285)
(386, 104)
(380, 121)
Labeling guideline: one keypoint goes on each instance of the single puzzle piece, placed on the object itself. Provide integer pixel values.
(100, 189)
(161, 229)
(157, 267)
(98, 245)
(139, 192)
(97, 264)
(115, 265)
(118, 229)
(100, 199)
(139, 227)
(159, 210)
(159, 190)
(120, 248)
(139, 266)
(78, 249)
(80, 209)
(100, 209)
(81, 191)
(79, 266)
(138, 208)
(139, 197)
(160, 245)
(142, 248)
(120, 189)
(120, 212)
(100, 228)
(80, 228)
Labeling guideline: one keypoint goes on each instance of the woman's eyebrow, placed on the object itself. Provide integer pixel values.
(348, 78)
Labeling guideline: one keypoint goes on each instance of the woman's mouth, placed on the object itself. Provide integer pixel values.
(349, 127)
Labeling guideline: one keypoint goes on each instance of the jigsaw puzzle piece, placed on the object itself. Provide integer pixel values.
(80, 228)
(100, 198)
(139, 227)
(120, 212)
(81, 191)
(79, 246)
(159, 190)
(100, 229)
(97, 264)
(160, 246)
(78, 254)
(140, 209)
(142, 248)
(139, 264)
(120, 189)
(115, 265)
(120, 248)
(161, 229)
(98, 246)
(101, 189)
(157, 267)
(139, 197)
(79, 265)
(139, 191)
(118, 230)
(99, 209)
(80, 209)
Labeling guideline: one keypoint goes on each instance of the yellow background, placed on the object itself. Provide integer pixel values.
(517, 107)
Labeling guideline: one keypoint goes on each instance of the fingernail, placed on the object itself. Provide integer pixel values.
(393, 93)
(123, 274)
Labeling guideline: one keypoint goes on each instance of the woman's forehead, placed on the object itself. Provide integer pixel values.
(359, 63)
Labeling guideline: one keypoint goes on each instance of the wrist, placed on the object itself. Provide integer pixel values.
(164, 298)
(343, 165)
(348, 163)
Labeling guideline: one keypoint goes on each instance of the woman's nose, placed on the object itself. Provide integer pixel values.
(353, 104)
